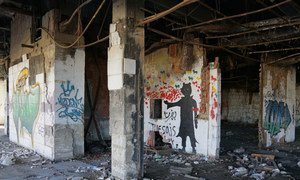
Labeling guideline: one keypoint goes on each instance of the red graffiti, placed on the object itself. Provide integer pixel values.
(214, 106)
(196, 109)
(213, 78)
(168, 93)
(212, 113)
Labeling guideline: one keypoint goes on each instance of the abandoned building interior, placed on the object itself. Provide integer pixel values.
(161, 89)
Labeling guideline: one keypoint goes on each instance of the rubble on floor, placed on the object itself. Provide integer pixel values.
(20, 163)
(255, 165)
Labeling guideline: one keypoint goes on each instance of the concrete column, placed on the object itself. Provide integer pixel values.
(125, 82)
(278, 86)
(214, 128)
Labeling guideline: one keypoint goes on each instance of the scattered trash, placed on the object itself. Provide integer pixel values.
(7, 159)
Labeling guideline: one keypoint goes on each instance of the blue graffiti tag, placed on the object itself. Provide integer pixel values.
(277, 117)
(71, 105)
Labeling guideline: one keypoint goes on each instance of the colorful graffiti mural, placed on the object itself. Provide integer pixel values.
(71, 105)
(277, 117)
(25, 103)
(187, 116)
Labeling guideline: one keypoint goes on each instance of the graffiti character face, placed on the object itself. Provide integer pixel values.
(186, 89)
(21, 81)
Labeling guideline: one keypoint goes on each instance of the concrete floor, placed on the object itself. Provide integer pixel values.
(30, 165)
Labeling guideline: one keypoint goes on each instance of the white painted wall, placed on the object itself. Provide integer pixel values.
(28, 115)
(240, 106)
(47, 116)
(163, 82)
(69, 102)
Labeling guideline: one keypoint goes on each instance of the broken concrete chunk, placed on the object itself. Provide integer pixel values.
(258, 176)
(239, 150)
(241, 171)
(7, 159)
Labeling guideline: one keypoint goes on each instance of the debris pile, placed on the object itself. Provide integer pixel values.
(255, 166)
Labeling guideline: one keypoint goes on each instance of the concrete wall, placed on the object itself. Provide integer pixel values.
(3, 102)
(240, 106)
(166, 79)
(297, 114)
(46, 96)
(69, 103)
(21, 27)
(279, 105)
(30, 106)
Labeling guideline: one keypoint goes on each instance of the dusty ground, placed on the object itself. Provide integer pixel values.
(29, 165)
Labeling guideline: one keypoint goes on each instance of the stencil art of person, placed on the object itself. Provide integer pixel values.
(187, 116)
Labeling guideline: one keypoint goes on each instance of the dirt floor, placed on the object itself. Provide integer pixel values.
(237, 144)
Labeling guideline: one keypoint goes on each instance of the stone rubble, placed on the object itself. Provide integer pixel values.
(247, 165)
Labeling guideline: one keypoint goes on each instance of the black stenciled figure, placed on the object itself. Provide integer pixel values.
(187, 115)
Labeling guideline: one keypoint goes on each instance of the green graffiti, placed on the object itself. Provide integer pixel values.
(25, 103)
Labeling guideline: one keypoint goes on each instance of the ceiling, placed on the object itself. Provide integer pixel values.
(245, 29)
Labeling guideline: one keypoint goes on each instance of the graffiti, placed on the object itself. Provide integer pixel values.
(277, 117)
(25, 103)
(71, 105)
(41, 130)
(187, 116)
(165, 129)
(170, 115)
(214, 97)
(165, 92)
(204, 93)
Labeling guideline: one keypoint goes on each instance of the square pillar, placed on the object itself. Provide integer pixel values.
(125, 82)
(278, 91)
(214, 128)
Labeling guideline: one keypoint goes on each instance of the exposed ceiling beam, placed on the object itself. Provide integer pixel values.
(16, 10)
(164, 13)
(295, 58)
(165, 18)
(234, 16)
(255, 30)
(4, 29)
(203, 45)
(264, 43)
(274, 50)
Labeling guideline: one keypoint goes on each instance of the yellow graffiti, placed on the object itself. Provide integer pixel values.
(214, 89)
(189, 72)
(21, 81)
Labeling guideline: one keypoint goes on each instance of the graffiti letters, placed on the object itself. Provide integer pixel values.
(277, 117)
(71, 105)
(170, 115)
(164, 129)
